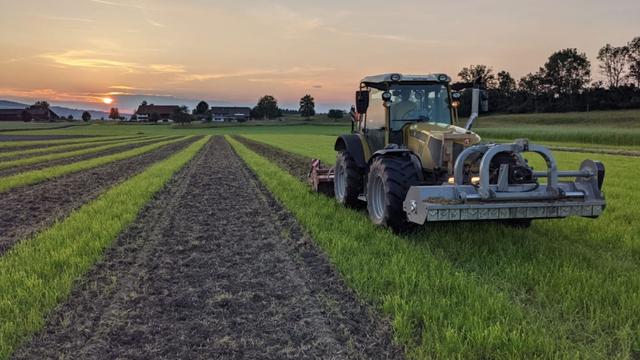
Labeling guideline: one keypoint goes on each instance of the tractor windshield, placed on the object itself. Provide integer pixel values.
(421, 102)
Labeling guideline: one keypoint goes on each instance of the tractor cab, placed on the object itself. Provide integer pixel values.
(416, 112)
(390, 102)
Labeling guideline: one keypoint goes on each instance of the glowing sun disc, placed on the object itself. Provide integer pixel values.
(107, 100)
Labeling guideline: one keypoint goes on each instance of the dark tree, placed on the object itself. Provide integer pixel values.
(567, 72)
(201, 108)
(633, 58)
(154, 117)
(114, 114)
(613, 63)
(70, 117)
(335, 114)
(86, 116)
(307, 106)
(182, 116)
(26, 115)
(43, 104)
(485, 73)
(506, 83)
(144, 103)
(267, 108)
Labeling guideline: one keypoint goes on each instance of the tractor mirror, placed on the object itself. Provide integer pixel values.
(362, 101)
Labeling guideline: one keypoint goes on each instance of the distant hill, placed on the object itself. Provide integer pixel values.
(60, 110)
(6, 104)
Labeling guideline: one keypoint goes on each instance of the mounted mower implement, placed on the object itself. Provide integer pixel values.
(411, 164)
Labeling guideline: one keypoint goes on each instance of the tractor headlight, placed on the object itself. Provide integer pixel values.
(443, 77)
(396, 77)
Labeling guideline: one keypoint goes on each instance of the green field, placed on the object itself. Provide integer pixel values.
(566, 288)
(481, 290)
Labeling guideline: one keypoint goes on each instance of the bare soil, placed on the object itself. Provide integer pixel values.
(28, 209)
(69, 160)
(212, 268)
(296, 165)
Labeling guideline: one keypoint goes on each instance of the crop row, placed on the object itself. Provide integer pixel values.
(52, 142)
(35, 176)
(38, 273)
(67, 154)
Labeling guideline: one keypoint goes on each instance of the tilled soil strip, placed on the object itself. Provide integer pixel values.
(28, 209)
(69, 160)
(296, 165)
(213, 268)
(7, 137)
(43, 149)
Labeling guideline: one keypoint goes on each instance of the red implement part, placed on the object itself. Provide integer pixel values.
(321, 178)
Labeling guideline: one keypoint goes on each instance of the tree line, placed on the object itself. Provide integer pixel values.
(564, 83)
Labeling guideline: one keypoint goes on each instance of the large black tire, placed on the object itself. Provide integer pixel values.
(347, 185)
(389, 180)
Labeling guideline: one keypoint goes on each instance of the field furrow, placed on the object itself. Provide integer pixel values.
(26, 210)
(35, 176)
(8, 168)
(40, 272)
(11, 142)
(23, 153)
(183, 282)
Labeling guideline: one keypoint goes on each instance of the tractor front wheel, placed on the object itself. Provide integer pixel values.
(347, 185)
(389, 180)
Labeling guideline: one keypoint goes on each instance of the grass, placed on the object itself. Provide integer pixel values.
(614, 128)
(562, 289)
(79, 152)
(35, 176)
(38, 273)
(612, 119)
(85, 140)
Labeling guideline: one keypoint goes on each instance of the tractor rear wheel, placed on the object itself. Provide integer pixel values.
(347, 184)
(389, 180)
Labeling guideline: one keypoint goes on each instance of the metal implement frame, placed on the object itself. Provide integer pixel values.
(486, 201)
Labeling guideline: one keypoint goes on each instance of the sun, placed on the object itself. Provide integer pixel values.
(107, 100)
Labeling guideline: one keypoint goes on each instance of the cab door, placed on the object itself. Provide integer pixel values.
(376, 121)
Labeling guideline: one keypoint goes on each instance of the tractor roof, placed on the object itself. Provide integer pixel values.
(396, 77)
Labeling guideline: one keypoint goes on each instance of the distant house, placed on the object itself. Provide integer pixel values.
(34, 113)
(230, 113)
(164, 112)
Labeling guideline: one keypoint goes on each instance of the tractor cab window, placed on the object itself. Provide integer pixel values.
(413, 103)
(376, 116)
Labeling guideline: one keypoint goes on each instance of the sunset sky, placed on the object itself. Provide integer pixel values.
(79, 52)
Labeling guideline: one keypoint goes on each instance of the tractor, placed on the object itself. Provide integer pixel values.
(411, 163)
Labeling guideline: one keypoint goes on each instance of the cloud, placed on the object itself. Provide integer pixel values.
(65, 19)
(293, 24)
(255, 74)
(155, 23)
(114, 3)
(97, 60)
(388, 37)
(167, 68)
(50, 95)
